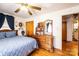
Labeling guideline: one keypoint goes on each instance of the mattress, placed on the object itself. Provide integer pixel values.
(17, 46)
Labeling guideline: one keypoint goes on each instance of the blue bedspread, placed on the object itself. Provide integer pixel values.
(17, 46)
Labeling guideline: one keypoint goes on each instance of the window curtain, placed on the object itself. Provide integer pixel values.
(2, 18)
(10, 21)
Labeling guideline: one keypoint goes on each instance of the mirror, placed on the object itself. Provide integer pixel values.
(48, 27)
(40, 28)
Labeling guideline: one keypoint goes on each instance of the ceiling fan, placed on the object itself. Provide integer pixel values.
(27, 6)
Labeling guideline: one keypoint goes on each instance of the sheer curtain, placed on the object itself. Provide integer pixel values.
(49, 29)
(5, 25)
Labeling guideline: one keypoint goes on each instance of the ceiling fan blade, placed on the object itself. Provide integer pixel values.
(24, 4)
(35, 7)
(30, 6)
(30, 13)
(17, 10)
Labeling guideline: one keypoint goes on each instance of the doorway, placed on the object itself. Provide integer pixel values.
(70, 34)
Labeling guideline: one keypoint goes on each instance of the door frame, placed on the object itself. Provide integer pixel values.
(78, 30)
(63, 21)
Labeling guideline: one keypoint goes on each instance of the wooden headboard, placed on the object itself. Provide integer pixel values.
(7, 30)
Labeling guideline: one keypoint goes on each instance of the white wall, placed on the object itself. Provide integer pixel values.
(69, 28)
(57, 32)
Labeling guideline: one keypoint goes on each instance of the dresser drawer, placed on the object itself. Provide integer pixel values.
(45, 41)
(42, 40)
(42, 45)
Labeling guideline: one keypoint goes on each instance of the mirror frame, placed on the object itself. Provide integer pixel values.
(47, 22)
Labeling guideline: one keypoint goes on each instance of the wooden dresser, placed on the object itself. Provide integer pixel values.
(45, 41)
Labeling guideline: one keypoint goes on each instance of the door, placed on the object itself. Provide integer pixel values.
(64, 32)
(64, 29)
(30, 28)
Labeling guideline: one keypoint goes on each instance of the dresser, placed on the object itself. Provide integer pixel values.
(45, 42)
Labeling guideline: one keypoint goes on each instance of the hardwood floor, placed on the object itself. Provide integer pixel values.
(70, 49)
(43, 52)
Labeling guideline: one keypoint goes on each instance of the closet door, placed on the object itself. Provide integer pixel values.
(30, 28)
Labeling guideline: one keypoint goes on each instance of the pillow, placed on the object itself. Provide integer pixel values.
(11, 34)
(2, 35)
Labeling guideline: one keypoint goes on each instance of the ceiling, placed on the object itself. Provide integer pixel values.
(46, 7)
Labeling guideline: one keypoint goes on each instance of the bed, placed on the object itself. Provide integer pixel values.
(17, 45)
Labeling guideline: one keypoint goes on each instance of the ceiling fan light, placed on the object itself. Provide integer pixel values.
(23, 8)
(29, 6)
